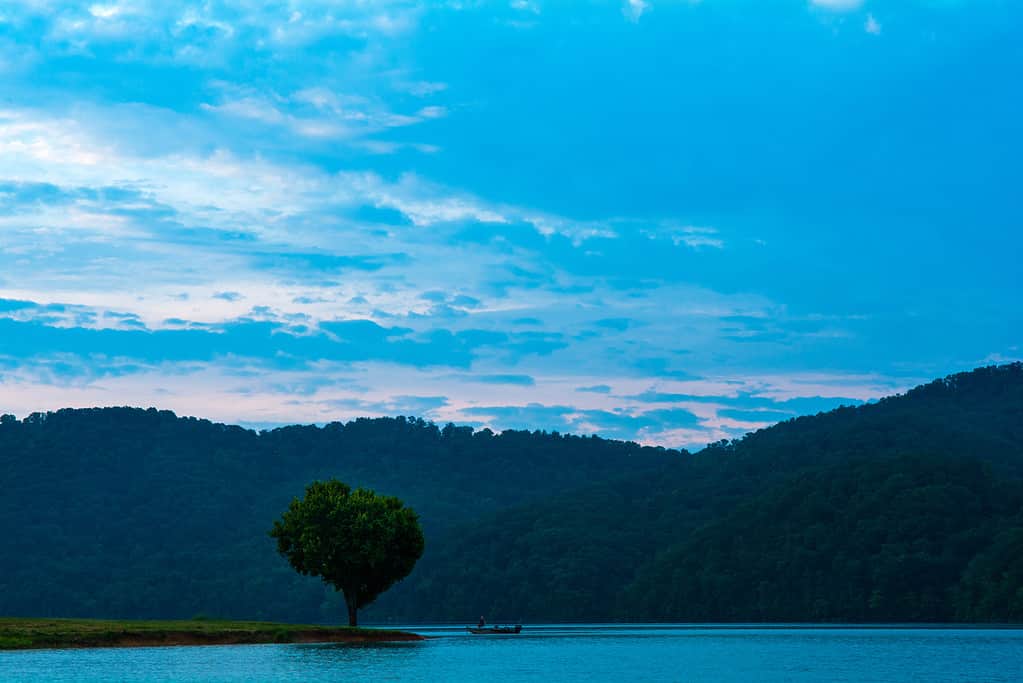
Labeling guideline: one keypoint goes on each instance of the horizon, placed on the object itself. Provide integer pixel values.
(664, 222)
(257, 428)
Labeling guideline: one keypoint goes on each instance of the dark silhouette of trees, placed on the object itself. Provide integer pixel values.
(907, 508)
(868, 540)
(356, 541)
(120, 512)
(628, 541)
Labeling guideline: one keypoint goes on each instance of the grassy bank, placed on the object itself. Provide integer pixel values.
(24, 634)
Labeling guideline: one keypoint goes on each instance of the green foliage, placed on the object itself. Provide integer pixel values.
(130, 513)
(900, 510)
(992, 587)
(591, 554)
(872, 540)
(356, 541)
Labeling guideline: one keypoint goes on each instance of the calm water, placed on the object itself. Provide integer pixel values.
(566, 653)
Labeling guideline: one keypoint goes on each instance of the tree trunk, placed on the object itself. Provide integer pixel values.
(353, 612)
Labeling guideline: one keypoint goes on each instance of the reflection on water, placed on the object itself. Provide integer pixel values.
(364, 661)
(565, 653)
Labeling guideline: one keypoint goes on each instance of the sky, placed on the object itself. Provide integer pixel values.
(666, 221)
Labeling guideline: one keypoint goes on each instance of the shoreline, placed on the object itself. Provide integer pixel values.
(64, 634)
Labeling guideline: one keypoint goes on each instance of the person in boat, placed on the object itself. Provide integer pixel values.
(483, 622)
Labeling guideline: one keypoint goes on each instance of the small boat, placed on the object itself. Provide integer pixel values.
(491, 630)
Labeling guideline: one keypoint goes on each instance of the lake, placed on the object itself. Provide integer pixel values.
(566, 653)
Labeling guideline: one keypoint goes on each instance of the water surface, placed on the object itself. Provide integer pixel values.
(565, 653)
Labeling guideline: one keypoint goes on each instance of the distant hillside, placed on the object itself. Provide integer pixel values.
(127, 513)
(870, 540)
(902, 510)
(590, 554)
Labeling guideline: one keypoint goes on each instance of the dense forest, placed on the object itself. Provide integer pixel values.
(907, 509)
(872, 540)
(122, 512)
(608, 551)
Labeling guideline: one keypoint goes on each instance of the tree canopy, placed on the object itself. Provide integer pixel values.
(119, 513)
(356, 541)
(636, 546)
(867, 540)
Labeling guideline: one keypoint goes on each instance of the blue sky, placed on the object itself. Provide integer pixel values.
(668, 221)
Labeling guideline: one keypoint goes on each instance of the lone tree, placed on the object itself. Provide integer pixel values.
(357, 541)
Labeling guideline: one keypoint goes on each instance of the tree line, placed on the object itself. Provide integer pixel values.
(905, 509)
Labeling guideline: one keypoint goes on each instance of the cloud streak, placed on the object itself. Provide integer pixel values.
(313, 210)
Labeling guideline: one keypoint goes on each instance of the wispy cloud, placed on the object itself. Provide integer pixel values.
(317, 113)
(838, 5)
(634, 9)
(312, 210)
(208, 31)
(872, 25)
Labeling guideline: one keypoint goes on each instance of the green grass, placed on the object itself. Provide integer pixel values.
(23, 633)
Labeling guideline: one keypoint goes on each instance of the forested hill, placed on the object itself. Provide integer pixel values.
(904, 538)
(122, 512)
(906, 509)
(630, 548)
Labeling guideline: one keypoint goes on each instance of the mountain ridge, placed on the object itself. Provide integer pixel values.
(138, 513)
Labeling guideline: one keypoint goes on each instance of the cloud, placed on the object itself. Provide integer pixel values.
(423, 88)
(273, 343)
(691, 236)
(9, 305)
(634, 9)
(398, 405)
(292, 211)
(276, 370)
(520, 380)
(526, 6)
(220, 212)
(838, 5)
(318, 113)
(872, 26)
(205, 33)
(569, 419)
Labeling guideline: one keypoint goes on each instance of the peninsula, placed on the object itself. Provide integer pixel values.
(27, 633)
